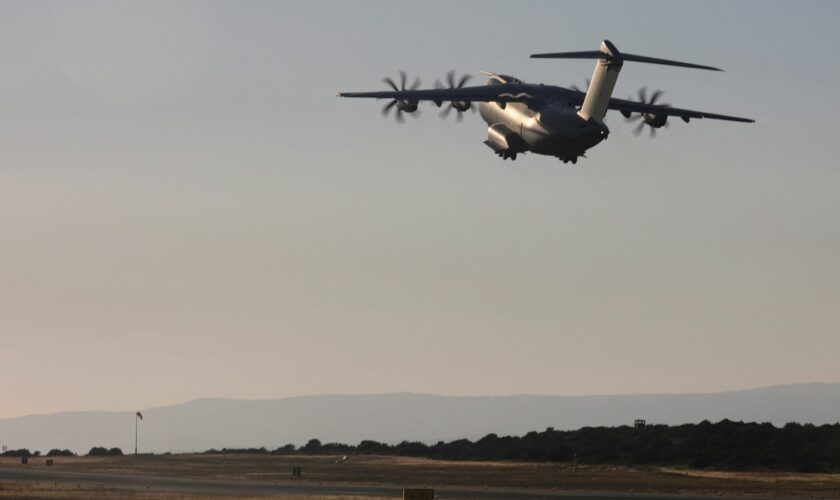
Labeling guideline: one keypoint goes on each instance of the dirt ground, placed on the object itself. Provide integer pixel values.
(48, 491)
(425, 472)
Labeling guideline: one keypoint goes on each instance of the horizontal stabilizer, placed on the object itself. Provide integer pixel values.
(615, 55)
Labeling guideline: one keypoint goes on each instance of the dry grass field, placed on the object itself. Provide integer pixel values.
(401, 471)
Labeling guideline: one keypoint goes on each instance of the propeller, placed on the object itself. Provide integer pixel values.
(459, 106)
(402, 105)
(653, 120)
(575, 87)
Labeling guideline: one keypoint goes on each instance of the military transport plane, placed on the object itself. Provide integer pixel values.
(546, 119)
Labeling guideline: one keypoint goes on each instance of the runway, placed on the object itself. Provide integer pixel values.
(175, 485)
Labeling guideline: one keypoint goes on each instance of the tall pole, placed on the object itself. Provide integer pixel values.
(135, 433)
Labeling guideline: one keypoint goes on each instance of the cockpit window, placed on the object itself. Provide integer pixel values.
(510, 79)
(500, 79)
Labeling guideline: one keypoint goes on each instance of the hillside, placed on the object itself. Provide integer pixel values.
(218, 423)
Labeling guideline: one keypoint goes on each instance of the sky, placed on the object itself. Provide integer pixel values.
(187, 210)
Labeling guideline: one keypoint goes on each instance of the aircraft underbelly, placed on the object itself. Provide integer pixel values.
(552, 131)
(562, 143)
(566, 133)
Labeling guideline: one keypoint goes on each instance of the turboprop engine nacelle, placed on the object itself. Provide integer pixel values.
(407, 106)
(461, 105)
(504, 141)
(655, 120)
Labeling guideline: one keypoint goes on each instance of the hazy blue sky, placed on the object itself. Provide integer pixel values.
(187, 210)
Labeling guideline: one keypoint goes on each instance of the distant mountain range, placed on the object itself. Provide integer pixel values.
(216, 423)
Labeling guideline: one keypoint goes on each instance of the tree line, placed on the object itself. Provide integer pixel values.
(723, 445)
(96, 451)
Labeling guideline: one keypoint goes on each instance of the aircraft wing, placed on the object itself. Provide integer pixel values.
(499, 93)
(515, 92)
(626, 107)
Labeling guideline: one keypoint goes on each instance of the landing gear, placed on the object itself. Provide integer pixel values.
(567, 159)
(506, 155)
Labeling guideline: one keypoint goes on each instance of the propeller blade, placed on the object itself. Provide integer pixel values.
(652, 133)
(403, 77)
(643, 94)
(415, 84)
(575, 87)
(390, 83)
(450, 78)
(459, 117)
(656, 94)
(399, 116)
(445, 113)
(388, 107)
(638, 129)
(464, 80)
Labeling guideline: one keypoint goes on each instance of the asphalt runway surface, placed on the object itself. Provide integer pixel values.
(176, 485)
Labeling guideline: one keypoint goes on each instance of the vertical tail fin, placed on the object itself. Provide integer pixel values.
(603, 82)
(606, 72)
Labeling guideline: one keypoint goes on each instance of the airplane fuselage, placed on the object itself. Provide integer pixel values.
(552, 129)
(549, 125)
